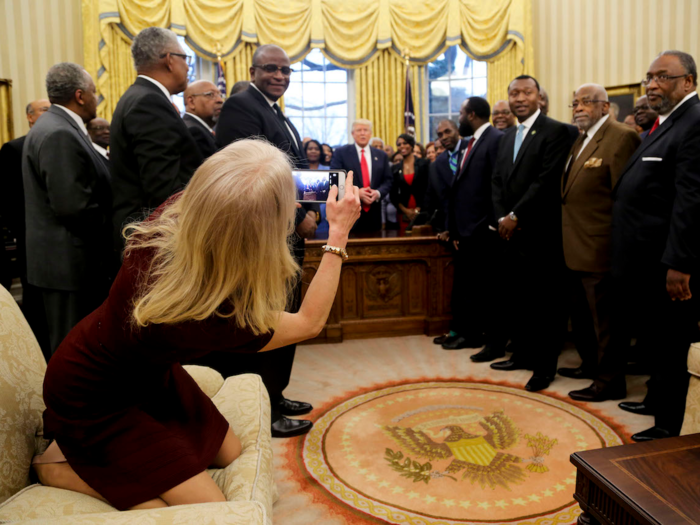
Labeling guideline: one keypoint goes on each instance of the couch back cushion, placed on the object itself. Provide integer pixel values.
(22, 369)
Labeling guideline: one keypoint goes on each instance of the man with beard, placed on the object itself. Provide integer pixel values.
(644, 116)
(503, 119)
(656, 245)
(470, 213)
(203, 105)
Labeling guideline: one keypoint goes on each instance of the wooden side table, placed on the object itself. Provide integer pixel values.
(644, 483)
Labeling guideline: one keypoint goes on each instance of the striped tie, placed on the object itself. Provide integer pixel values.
(453, 161)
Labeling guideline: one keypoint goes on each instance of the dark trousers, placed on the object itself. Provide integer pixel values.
(534, 303)
(590, 302)
(66, 309)
(641, 306)
(35, 314)
(369, 221)
(476, 288)
(274, 367)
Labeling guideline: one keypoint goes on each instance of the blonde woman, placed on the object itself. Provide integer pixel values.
(210, 271)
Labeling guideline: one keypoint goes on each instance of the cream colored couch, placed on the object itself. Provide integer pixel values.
(691, 420)
(247, 482)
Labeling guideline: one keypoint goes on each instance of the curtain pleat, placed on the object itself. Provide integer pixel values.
(7, 131)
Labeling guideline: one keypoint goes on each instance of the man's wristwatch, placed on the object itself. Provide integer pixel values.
(513, 217)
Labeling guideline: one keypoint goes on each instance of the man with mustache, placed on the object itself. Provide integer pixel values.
(203, 106)
(527, 203)
(503, 119)
(644, 116)
(656, 246)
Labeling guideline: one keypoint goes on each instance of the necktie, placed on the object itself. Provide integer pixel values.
(453, 161)
(365, 174)
(283, 120)
(466, 153)
(656, 125)
(518, 140)
(574, 156)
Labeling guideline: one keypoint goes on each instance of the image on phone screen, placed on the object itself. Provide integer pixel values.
(314, 185)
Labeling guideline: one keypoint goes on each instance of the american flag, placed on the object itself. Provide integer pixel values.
(409, 117)
(220, 78)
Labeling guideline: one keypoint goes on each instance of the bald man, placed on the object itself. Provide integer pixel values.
(644, 116)
(12, 211)
(501, 116)
(98, 129)
(203, 104)
(592, 170)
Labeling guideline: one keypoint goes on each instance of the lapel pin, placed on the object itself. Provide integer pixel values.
(533, 132)
(375, 158)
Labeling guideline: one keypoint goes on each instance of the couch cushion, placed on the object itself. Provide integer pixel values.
(694, 359)
(39, 502)
(208, 379)
(22, 369)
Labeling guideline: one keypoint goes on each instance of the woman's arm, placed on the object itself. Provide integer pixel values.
(308, 322)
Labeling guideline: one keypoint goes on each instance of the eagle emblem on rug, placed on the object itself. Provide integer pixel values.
(482, 458)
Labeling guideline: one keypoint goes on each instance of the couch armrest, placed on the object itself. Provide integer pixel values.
(208, 379)
(238, 513)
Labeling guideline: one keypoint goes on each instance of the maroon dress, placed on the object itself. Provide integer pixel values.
(128, 418)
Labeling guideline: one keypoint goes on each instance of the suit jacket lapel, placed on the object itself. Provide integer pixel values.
(261, 98)
(527, 140)
(585, 154)
(476, 145)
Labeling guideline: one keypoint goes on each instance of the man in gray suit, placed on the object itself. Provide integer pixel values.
(68, 204)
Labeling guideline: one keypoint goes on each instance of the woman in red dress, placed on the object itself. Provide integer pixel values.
(209, 271)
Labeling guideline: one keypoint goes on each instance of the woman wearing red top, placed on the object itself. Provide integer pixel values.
(209, 271)
(410, 181)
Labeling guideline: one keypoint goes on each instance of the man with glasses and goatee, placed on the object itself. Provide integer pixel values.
(255, 113)
(152, 154)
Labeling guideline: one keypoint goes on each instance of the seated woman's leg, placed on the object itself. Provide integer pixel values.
(198, 489)
(62, 476)
(229, 451)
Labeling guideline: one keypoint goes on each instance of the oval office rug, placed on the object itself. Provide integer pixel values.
(449, 452)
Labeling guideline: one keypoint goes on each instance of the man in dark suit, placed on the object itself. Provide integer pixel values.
(592, 170)
(470, 215)
(255, 113)
(644, 116)
(203, 106)
(152, 154)
(373, 173)
(656, 245)
(12, 210)
(98, 129)
(68, 204)
(527, 204)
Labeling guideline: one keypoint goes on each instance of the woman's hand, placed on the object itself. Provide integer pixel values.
(343, 213)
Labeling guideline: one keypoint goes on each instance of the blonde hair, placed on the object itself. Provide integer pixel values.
(362, 122)
(221, 248)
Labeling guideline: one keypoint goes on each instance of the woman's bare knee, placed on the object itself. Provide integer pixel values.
(155, 503)
(62, 476)
(229, 451)
(198, 489)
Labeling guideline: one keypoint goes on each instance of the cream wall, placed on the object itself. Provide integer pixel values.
(609, 42)
(34, 35)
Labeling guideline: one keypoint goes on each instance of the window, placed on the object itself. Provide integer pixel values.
(317, 99)
(452, 78)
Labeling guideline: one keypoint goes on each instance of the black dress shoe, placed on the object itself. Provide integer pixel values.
(651, 434)
(460, 342)
(489, 353)
(286, 428)
(508, 365)
(636, 408)
(442, 338)
(537, 383)
(287, 407)
(596, 393)
(576, 373)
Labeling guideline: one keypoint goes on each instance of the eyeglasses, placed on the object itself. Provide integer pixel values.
(586, 103)
(186, 58)
(659, 79)
(209, 94)
(503, 112)
(273, 68)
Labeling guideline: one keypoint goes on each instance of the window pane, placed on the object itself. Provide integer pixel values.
(313, 72)
(459, 91)
(314, 100)
(439, 92)
(479, 69)
(463, 65)
(335, 74)
(313, 127)
(336, 100)
(479, 89)
(336, 131)
(293, 99)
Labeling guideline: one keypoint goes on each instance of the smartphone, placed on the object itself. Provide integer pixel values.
(314, 185)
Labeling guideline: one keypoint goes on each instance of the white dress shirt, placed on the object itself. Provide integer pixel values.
(200, 120)
(591, 133)
(160, 86)
(72, 114)
(528, 123)
(272, 103)
(479, 132)
(102, 151)
(662, 118)
(368, 158)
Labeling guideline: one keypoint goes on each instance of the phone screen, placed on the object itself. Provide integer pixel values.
(314, 185)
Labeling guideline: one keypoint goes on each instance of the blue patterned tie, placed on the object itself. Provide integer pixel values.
(518, 140)
(453, 161)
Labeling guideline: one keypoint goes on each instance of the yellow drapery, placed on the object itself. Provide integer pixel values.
(7, 131)
(362, 35)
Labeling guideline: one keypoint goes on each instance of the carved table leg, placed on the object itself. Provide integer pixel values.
(586, 519)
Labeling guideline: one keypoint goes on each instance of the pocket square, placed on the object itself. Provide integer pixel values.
(593, 163)
(652, 159)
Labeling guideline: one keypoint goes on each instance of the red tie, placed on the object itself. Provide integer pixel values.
(365, 175)
(466, 153)
(656, 125)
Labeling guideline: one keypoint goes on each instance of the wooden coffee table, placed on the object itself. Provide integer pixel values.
(657, 482)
